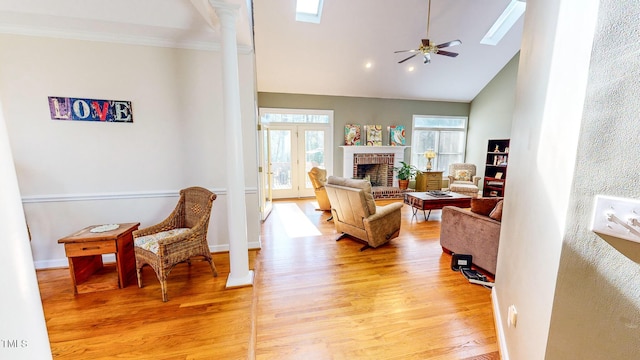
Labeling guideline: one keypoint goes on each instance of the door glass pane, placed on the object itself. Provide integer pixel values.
(266, 168)
(281, 158)
(314, 151)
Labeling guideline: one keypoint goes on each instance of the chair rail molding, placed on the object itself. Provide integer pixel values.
(30, 199)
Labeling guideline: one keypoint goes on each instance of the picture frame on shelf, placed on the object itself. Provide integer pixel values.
(498, 175)
(352, 135)
(374, 135)
(396, 135)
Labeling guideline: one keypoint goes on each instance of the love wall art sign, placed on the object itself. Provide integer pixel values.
(64, 108)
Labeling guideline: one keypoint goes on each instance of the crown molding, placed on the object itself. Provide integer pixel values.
(118, 38)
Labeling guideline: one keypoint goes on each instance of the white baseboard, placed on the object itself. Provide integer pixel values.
(497, 319)
(50, 264)
(110, 258)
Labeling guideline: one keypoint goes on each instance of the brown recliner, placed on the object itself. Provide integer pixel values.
(355, 212)
(318, 179)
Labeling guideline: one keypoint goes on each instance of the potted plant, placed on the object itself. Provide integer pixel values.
(405, 172)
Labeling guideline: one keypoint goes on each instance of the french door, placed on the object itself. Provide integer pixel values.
(294, 150)
(292, 141)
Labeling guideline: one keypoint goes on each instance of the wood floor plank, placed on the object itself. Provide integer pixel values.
(313, 298)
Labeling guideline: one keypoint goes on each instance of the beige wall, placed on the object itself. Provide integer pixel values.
(75, 173)
(577, 297)
(596, 307)
(491, 114)
(363, 111)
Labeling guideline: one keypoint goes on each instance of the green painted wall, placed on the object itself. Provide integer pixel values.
(363, 111)
(491, 114)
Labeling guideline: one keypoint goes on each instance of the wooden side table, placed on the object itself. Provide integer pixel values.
(429, 180)
(84, 249)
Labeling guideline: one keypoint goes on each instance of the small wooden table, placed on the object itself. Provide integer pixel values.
(84, 250)
(429, 180)
(424, 201)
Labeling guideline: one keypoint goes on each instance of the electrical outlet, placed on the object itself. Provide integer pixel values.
(617, 217)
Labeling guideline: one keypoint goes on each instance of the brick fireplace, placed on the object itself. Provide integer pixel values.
(376, 167)
(376, 161)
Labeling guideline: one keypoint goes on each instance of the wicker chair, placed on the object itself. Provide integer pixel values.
(176, 239)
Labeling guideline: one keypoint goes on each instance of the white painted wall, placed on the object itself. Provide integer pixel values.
(23, 333)
(109, 172)
(550, 93)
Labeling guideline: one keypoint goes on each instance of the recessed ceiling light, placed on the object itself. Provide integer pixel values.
(368, 65)
(410, 68)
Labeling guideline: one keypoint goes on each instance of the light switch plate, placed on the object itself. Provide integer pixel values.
(617, 217)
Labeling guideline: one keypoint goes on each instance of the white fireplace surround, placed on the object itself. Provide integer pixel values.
(349, 151)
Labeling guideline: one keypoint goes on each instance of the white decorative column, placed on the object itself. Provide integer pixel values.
(23, 332)
(239, 275)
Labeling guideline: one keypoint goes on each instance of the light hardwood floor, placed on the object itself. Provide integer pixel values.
(314, 298)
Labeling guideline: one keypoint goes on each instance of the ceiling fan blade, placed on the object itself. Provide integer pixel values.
(401, 61)
(447, 53)
(448, 44)
(401, 51)
(425, 42)
(427, 58)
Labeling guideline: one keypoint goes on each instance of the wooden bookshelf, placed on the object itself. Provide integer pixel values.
(495, 170)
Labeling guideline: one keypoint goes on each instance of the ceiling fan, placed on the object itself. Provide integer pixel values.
(427, 48)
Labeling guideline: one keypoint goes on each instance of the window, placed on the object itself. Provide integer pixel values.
(296, 116)
(309, 11)
(446, 135)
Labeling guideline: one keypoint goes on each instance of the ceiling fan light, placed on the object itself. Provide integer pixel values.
(505, 21)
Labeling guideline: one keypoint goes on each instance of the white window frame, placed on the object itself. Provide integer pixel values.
(417, 153)
(313, 18)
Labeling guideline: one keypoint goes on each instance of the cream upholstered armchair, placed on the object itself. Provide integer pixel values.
(463, 179)
(177, 238)
(355, 212)
(318, 179)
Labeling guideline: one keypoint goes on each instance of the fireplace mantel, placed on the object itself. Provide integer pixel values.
(349, 151)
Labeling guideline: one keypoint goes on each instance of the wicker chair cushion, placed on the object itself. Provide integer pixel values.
(150, 242)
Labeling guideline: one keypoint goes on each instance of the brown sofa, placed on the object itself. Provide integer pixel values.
(474, 231)
(355, 212)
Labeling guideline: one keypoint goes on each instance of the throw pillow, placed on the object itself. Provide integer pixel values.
(483, 206)
(496, 213)
(463, 175)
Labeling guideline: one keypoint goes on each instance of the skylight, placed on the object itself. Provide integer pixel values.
(309, 10)
(509, 16)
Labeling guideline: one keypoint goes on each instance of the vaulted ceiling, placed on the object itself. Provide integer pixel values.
(329, 58)
(295, 57)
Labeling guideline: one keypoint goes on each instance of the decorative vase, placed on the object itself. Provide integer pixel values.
(403, 184)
